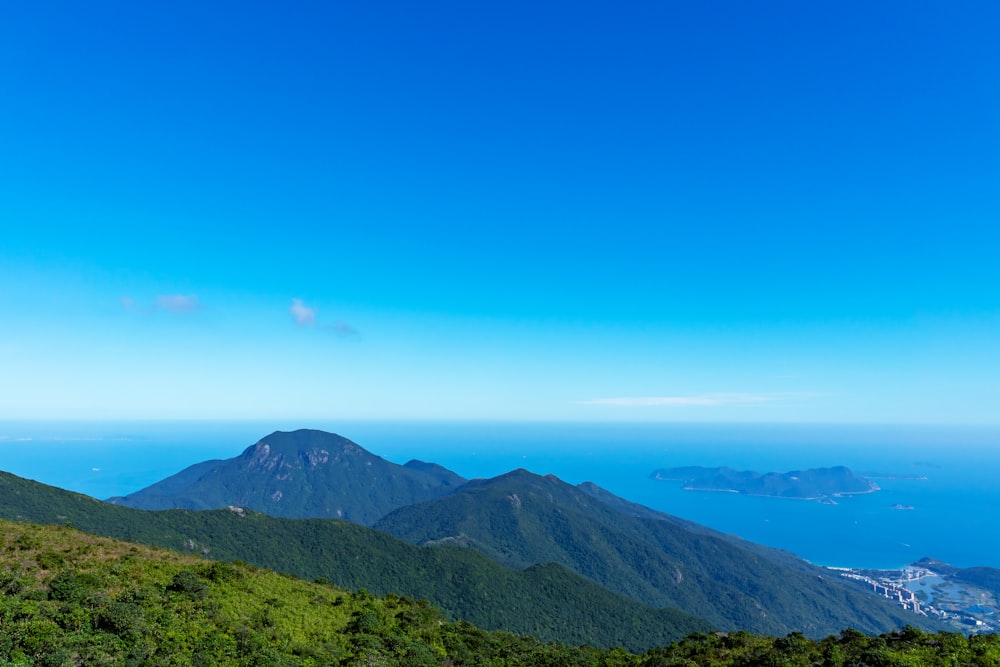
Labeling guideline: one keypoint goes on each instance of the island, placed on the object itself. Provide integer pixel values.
(822, 484)
(894, 475)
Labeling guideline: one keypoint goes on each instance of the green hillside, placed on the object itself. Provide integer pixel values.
(547, 601)
(649, 556)
(74, 599)
(70, 599)
(300, 474)
(520, 519)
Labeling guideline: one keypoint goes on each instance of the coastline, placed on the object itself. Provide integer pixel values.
(104, 459)
(839, 494)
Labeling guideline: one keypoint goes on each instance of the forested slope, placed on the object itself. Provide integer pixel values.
(547, 601)
(299, 474)
(69, 598)
(520, 519)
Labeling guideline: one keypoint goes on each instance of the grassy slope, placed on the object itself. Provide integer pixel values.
(72, 598)
(547, 601)
(69, 598)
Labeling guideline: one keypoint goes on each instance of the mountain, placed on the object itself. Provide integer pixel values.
(812, 484)
(521, 519)
(71, 598)
(655, 559)
(547, 601)
(300, 474)
(777, 556)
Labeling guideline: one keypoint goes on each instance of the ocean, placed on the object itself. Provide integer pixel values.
(948, 475)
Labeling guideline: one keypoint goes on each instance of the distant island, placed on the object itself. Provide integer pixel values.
(822, 484)
(894, 475)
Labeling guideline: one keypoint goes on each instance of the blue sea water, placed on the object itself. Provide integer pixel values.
(953, 515)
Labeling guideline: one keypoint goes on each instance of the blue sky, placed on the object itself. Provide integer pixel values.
(707, 211)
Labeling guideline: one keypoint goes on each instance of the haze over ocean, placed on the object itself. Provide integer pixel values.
(951, 518)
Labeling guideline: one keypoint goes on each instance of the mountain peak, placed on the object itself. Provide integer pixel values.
(302, 449)
(300, 474)
(525, 474)
(307, 439)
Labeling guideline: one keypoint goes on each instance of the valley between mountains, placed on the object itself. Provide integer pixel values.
(521, 552)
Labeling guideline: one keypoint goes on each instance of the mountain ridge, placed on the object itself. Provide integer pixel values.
(464, 583)
(523, 520)
(520, 519)
(72, 598)
(305, 473)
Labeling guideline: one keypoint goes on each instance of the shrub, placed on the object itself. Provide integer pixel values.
(188, 583)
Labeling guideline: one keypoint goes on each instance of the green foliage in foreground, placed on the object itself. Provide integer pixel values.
(67, 598)
(546, 601)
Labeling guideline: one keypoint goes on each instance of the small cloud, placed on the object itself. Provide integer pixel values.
(303, 314)
(698, 400)
(177, 303)
(342, 329)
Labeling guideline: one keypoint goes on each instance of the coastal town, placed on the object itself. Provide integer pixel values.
(964, 607)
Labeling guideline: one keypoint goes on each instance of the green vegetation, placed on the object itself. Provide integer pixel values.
(546, 601)
(73, 599)
(70, 598)
(906, 648)
(300, 474)
(520, 519)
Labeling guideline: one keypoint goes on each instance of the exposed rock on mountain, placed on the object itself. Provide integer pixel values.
(300, 474)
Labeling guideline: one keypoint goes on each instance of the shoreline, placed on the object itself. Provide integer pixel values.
(839, 494)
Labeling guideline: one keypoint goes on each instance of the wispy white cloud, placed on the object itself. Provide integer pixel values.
(175, 304)
(695, 400)
(178, 303)
(342, 329)
(303, 314)
(306, 316)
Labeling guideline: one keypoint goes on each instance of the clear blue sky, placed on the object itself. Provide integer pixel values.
(672, 210)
